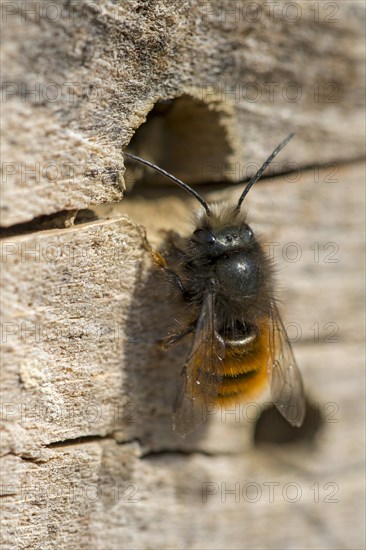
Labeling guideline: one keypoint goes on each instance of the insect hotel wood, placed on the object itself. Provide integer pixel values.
(205, 90)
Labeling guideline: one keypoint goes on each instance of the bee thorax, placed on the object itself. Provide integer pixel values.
(239, 278)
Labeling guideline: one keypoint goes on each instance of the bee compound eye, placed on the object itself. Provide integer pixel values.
(247, 232)
(203, 236)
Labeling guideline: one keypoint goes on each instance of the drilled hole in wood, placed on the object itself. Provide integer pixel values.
(186, 137)
(272, 428)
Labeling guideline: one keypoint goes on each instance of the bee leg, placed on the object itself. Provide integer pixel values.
(159, 260)
(156, 256)
(170, 341)
(177, 282)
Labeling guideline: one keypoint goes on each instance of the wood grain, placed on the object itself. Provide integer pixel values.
(89, 459)
(88, 456)
(80, 79)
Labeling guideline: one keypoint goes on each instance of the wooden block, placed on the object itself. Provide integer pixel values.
(89, 458)
(80, 79)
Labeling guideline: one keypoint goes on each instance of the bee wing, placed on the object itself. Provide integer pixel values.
(200, 378)
(287, 389)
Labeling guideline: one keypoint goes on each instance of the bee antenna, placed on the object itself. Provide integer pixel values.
(173, 178)
(262, 169)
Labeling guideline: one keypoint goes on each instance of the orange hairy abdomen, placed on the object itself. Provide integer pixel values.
(244, 371)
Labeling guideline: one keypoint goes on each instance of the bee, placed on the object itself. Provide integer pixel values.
(239, 343)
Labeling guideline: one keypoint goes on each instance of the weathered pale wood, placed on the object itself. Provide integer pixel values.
(88, 455)
(80, 78)
(82, 314)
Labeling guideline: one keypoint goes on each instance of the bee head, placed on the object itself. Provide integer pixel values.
(223, 231)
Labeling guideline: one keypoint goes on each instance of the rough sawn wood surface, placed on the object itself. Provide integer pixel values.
(88, 456)
(81, 77)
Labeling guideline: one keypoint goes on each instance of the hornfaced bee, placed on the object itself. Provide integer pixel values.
(239, 343)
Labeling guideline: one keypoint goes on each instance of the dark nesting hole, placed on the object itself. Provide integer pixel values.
(85, 215)
(57, 220)
(272, 428)
(186, 137)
